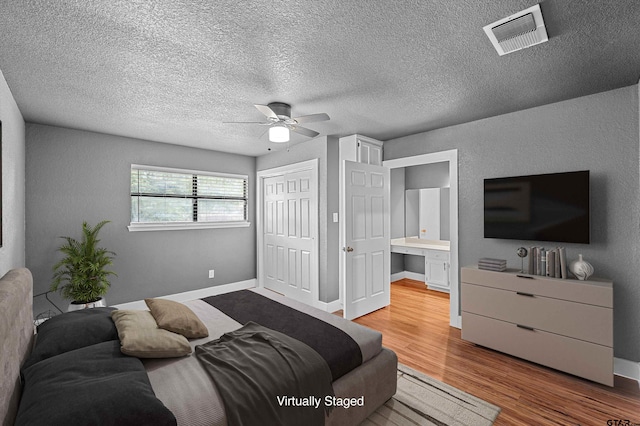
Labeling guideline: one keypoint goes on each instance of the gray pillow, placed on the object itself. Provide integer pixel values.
(72, 330)
(94, 385)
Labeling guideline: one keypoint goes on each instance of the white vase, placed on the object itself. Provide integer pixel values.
(581, 268)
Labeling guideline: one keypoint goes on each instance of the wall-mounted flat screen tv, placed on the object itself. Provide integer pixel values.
(547, 207)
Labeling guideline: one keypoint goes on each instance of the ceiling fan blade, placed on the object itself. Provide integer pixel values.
(312, 118)
(244, 122)
(267, 111)
(304, 131)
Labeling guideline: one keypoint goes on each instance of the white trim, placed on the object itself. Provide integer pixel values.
(187, 171)
(418, 160)
(450, 156)
(311, 165)
(194, 294)
(330, 307)
(289, 168)
(181, 226)
(626, 368)
(407, 274)
(397, 276)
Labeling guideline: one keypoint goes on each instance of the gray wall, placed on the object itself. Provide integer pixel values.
(397, 214)
(74, 175)
(598, 132)
(12, 252)
(332, 274)
(321, 148)
(397, 203)
(435, 175)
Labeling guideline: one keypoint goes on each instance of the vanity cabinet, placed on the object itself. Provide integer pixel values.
(436, 270)
(436, 259)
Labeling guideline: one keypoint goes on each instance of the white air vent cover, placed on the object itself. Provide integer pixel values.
(519, 31)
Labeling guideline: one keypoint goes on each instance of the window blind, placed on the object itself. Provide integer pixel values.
(162, 195)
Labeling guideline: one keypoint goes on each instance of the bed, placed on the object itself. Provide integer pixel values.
(182, 387)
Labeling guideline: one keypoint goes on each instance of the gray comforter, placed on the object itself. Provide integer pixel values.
(266, 377)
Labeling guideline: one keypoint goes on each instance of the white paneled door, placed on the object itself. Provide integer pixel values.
(366, 251)
(290, 212)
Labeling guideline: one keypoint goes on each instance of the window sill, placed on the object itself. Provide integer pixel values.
(136, 227)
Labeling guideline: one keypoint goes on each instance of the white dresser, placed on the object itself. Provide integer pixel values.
(562, 324)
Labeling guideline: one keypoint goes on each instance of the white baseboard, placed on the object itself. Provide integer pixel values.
(628, 369)
(330, 307)
(407, 274)
(194, 294)
(397, 276)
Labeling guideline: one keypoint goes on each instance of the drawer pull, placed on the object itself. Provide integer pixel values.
(524, 276)
(525, 327)
(525, 294)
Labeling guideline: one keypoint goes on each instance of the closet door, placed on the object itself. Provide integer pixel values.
(290, 226)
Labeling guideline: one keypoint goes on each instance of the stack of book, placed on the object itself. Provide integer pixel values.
(490, 264)
(548, 262)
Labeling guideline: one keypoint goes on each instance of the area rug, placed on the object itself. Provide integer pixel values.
(422, 400)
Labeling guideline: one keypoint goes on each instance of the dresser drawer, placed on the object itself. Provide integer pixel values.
(581, 321)
(438, 255)
(593, 292)
(588, 360)
(408, 250)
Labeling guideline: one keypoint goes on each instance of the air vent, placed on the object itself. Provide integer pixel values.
(519, 31)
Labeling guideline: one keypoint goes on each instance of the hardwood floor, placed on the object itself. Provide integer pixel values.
(416, 327)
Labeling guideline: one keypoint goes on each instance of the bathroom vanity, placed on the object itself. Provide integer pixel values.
(436, 259)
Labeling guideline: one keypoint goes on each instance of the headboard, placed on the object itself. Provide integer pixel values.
(16, 337)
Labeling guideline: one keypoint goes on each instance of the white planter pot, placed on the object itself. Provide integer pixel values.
(76, 306)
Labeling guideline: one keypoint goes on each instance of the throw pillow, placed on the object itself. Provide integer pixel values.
(177, 317)
(140, 336)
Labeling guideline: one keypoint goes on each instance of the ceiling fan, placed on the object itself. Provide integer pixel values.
(279, 120)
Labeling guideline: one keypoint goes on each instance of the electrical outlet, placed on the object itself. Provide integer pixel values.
(211, 273)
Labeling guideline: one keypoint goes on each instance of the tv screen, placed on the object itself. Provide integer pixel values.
(548, 207)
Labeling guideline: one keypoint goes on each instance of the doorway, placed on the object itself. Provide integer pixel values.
(450, 157)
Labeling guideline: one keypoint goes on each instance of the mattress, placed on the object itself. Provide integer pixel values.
(185, 388)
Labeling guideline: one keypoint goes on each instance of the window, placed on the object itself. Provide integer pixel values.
(163, 199)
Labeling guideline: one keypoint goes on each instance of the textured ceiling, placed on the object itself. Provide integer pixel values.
(172, 71)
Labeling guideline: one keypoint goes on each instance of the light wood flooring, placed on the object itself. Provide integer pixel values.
(416, 327)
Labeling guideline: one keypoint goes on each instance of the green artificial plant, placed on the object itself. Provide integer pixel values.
(82, 275)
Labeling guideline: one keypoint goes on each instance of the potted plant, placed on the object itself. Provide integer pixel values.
(82, 275)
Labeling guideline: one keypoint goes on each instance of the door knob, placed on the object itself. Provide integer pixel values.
(347, 249)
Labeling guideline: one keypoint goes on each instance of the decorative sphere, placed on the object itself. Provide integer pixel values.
(522, 252)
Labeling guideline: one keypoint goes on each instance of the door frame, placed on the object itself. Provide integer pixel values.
(450, 156)
(311, 165)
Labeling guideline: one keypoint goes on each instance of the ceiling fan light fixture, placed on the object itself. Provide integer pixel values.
(278, 134)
